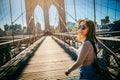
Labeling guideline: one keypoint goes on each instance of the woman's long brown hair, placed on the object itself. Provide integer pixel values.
(91, 36)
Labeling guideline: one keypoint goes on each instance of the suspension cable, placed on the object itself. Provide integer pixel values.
(64, 10)
(22, 17)
(11, 23)
(10, 11)
(33, 32)
(64, 24)
(94, 11)
(30, 19)
(76, 19)
(75, 10)
(61, 19)
(107, 6)
(22, 23)
(23, 12)
(18, 17)
(115, 56)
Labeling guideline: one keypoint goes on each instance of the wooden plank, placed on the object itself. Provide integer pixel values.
(11, 66)
(49, 62)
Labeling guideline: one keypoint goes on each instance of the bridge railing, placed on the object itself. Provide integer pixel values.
(11, 48)
(108, 54)
(108, 33)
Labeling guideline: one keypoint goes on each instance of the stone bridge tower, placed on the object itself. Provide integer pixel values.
(45, 5)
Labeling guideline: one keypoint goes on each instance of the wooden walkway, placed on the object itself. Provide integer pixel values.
(49, 62)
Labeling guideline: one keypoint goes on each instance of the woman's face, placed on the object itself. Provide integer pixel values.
(83, 29)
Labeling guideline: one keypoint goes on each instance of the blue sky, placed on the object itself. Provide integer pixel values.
(83, 10)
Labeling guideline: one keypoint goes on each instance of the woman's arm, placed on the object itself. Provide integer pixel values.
(81, 57)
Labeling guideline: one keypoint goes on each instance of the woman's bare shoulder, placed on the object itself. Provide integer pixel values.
(87, 45)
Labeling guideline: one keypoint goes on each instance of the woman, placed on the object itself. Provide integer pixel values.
(86, 54)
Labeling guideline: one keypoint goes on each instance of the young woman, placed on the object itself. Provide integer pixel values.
(86, 54)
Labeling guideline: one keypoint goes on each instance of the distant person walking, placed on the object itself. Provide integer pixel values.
(86, 53)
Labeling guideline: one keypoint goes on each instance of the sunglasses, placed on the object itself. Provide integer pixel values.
(82, 27)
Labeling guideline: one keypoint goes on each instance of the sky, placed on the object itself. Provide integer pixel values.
(80, 6)
(16, 10)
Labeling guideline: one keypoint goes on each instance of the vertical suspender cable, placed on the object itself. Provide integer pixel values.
(101, 10)
(66, 15)
(94, 1)
(107, 6)
(10, 11)
(115, 9)
(11, 22)
(63, 23)
(75, 10)
(63, 9)
(66, 10)
(76, 19)
(22, 17)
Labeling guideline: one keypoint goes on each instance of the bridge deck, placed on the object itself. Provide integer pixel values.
(48, 63)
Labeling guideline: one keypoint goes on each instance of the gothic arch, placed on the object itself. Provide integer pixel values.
(54, 15)
(45, 5)
(38, 18)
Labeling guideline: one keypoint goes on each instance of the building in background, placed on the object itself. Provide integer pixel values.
(105, 21)
(37, 28)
